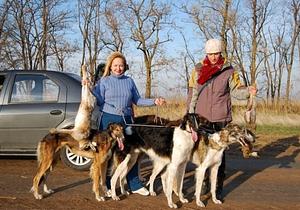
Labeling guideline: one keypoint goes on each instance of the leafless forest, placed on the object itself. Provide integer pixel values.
(261, 38)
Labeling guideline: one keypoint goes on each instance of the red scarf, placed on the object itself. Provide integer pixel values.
(208, 70)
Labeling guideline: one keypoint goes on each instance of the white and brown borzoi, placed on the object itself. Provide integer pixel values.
(169, 145)
(82, 126)
(48, 154)
(208, 155)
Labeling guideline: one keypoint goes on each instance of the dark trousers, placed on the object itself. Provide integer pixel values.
(217, 126)
(132, 177)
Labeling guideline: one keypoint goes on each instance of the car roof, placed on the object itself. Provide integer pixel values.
(70, 80)
(73, 75)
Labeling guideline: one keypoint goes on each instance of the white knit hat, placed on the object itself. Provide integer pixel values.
(213, 46)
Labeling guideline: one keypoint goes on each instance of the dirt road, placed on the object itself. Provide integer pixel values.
(271, 182)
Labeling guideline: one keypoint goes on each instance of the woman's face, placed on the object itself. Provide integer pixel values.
(213, 57)
(117, 66)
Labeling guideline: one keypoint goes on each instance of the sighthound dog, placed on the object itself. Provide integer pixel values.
(82, 126)
(170, 145)
(48, 154)
(208, 155)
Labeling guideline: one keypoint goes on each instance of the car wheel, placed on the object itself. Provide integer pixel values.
(74, 161)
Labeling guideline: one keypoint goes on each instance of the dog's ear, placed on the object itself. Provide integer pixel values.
(183, 125)
(224, 133)
(111, 126)
(249, 135)
(245, 131)
(184, 122)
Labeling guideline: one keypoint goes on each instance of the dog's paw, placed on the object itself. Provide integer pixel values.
(216, 201)
(87, 145)
(254, 154)
(115, 198)
(108, 193)
(48, 191)
(153, 193)
(100, 198)
(184, 200)
(172, 205)
(93, 146)
(200, 203)
(38, 196)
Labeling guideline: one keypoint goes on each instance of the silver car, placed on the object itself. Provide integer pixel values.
(32, 102)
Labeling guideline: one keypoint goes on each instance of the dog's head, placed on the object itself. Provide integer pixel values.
(233, 133)
(190, 123)
(248, 144)
(116, 131)
(244, 136)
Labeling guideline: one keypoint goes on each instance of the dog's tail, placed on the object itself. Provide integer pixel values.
(39, 153)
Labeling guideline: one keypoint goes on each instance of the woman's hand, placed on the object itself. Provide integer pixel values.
(159, 101)
(252, 90)
(85, 82)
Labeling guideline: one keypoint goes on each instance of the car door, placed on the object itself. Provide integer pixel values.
(33, 103)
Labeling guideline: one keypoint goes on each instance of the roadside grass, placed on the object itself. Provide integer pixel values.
(270, 120)
(278, 130)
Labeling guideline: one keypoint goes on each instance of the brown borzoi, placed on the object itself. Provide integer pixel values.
(48, 153)
(170, 145)
(82, 125)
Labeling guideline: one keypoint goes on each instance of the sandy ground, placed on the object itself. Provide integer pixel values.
(270, 182)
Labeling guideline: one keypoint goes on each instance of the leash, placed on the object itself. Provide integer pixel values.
(206, 130)
(156, 116)
(143, 125)
(150, 126)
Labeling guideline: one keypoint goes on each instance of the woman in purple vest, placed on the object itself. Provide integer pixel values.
(116, 93)
(214, 82)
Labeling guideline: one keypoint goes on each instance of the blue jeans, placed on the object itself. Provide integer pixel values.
(132, 177)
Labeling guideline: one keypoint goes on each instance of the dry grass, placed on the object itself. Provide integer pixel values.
(278, 114)
(266, 114)
(173, 110)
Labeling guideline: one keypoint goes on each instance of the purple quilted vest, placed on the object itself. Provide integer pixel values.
(214, 102)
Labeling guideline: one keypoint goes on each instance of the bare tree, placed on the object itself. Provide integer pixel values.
(28, 27)
(44, 37)
(260, 13)
(147, 19)
(289, 55)
(275, 70)
(114, 30)
(62, 50)
(212, 18)
(187, 60)
(4, 7)
(89, 24)
(238, 53)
